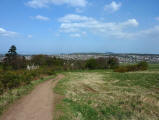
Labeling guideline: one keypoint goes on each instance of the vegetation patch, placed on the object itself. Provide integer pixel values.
(105, 95)
(12, 95)
(141, 66)
(137, 79)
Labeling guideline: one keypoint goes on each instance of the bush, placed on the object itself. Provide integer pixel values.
(49, 71)
(140, 66)
(11, 79)
(113, 62)
(1, 88)
(102, 63)
(143, 65)
(91, 64)
(26, 78)
(121, 69)
(44, 60)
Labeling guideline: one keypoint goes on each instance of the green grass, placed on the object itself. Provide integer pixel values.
(12, 95)
(154, 67)
(137, 79)
(105, 95)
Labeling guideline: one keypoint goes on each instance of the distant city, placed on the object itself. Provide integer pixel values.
(123, 58)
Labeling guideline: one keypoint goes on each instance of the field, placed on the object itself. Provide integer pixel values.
(106, 95)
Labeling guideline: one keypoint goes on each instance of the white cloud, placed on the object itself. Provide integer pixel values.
(73, 23)
(40, 17)
(78, 10)
(29, 36)
(73, 17)
(157, 18)
(75, 35)
(84, 33)
(76, 25)
(151, 33)
(7, 33)
(112, 7)
(130, 22)
(46, 3)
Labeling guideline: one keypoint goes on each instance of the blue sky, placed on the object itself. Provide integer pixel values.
(67, 26)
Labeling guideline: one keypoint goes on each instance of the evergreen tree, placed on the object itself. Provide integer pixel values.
(10, 58)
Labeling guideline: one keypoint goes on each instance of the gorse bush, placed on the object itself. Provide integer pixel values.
(14, 79)
(130, 68)
(10, 80)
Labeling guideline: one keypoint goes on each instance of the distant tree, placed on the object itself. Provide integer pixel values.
(113, 62)
(13, 60)
(39, 59)
(102, 63)
(45, 60)
(12, 51)
(143, 65)
(91, 64)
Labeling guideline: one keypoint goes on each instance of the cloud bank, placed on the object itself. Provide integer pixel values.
(74, 24)
(6, 33)
(46, 3)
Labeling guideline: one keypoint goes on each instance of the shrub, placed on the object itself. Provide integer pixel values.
(91, 64)
(44, 60)
(121, 69)
(26, 78)
(113, 62)
(1, 88)
(129, 68)
(143, 65)
(102, 63)
(49, 71)
(11, 79)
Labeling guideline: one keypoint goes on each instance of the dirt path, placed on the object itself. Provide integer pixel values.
(36, 106)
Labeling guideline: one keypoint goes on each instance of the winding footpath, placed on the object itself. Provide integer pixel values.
(38, 105)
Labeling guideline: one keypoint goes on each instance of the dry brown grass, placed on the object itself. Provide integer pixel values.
(101, 93)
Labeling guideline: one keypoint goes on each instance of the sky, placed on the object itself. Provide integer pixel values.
(72, 26)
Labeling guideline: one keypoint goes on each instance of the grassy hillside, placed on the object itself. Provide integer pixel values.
(105, 95)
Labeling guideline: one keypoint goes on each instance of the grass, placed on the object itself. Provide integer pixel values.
(137, 79)
(12, 95)
(154, 67)
(105, 95)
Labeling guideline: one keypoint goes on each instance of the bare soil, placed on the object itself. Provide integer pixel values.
(38, 105)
